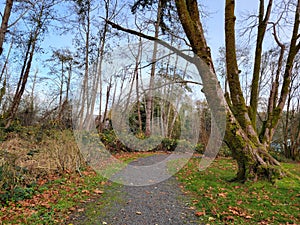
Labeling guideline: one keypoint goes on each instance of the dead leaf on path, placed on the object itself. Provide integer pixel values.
(200, 214)
(139, 213)
(103, 182)
(195, 201)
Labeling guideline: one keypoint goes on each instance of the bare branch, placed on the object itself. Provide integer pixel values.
(175, 82)
(18, 19)
(276, 36)
(151, 38)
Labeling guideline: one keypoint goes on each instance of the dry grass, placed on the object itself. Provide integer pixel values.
(23, 161)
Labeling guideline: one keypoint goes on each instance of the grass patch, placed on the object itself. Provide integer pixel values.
(218, 201)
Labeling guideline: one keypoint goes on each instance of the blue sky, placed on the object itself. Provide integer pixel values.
(214, 23)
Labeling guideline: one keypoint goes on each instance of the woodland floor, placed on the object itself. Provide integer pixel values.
(189, 197)
(160, 203)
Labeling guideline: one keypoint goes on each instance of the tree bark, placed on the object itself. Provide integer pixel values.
(253, 160)
(149, 97)
(261, 30)
(273, 120)
(4, 24)
(23, 79)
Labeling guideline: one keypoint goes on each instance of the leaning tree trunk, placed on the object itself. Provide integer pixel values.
(254, 161)
(4, 23)
(252, 157)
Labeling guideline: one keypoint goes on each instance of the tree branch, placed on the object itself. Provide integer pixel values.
(185, 82)
(151, 38)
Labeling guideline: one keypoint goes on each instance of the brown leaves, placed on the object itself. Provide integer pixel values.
(239, 212)
(200, 214)
(223, 195)
(87, 192)
(52, 191)
(98, 192)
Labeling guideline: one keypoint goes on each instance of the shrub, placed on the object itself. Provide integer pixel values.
(199, 148)
(23, 160)
(15, 182)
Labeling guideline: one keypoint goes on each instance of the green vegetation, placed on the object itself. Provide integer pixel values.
(218, 201)
(33, 153)
(54, 198)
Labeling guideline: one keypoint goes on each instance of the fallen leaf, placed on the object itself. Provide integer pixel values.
(200, 213)
(229, 218)
(138, 213)
(211, 218)
(222, 195)
(98, 192)
(239, 202)
(85, 192)
(72, 209)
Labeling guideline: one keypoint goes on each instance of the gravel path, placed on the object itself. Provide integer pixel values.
(161, 203)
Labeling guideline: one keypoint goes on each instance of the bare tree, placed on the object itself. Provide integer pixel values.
(39, 17)
(249, 147)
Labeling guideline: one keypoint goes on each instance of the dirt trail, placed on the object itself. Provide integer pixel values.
(161, 203)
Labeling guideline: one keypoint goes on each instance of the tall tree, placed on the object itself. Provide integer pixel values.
(83, 10)
(249, 150)
(39, 17)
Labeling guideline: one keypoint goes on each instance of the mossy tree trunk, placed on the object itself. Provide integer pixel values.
(263, 19)
(250, 152)
(249, 147)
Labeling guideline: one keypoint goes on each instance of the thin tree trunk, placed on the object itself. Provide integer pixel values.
(107, 101)
(261, 30)
(136, 71)
(23, 79)
(98, 81)
(149, 97)
(4, 23)
(272, 122)
(85, 98)
(69, 81)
